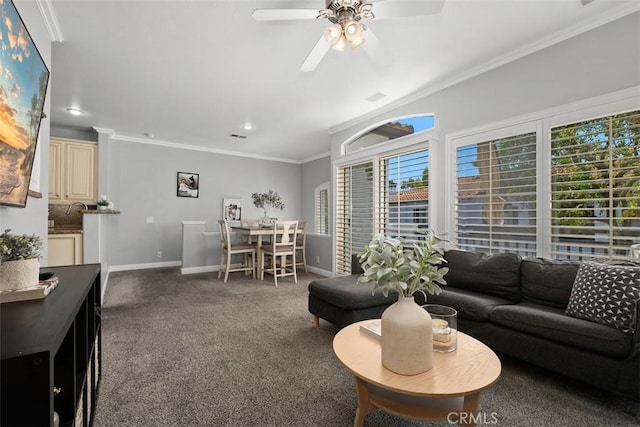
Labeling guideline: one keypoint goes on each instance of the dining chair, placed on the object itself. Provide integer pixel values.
(301, 244)
(228, 249)
(278, 251)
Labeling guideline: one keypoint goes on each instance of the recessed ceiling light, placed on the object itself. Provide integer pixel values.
(75, 111)
(247, 126)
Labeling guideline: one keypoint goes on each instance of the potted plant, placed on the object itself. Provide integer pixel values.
(103, 203)
(19, 260)
(393, 265)
(265, 201)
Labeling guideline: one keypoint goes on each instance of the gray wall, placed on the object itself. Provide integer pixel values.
(142, 183)
(319, 247)
(33, 218)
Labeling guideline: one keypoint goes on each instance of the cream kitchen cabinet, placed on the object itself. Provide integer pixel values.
(73, 167)
(65, 249)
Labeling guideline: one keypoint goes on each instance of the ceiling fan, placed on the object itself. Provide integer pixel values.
(345, 18)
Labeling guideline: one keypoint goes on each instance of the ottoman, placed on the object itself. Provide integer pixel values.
(342, 301)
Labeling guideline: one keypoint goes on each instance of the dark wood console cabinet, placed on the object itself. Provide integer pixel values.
(51, 352)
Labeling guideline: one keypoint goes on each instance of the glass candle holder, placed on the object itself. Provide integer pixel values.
(444, 322)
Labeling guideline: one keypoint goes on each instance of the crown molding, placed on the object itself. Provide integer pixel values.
(113, 135)
(316, 157)
(50, 20)
(582, 27)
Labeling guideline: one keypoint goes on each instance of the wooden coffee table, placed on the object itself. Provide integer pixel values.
(449, 391)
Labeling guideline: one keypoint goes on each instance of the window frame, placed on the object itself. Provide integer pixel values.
(421, 140)
(325, 186)
(543, 121)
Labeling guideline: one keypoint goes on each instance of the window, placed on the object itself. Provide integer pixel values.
(595, 187)
(390, 131)
(354, 212)
(387, 194)
(322, 208)
(496, 195)
(404, 195)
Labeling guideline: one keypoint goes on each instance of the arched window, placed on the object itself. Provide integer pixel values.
(391, 130)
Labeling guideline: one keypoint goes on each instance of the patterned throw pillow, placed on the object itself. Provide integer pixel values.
(606, 294)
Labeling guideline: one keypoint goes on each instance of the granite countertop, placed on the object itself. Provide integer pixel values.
(65, 230)
(98, 211)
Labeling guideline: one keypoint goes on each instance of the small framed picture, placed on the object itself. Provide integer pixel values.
(188, 184)
(232, 209)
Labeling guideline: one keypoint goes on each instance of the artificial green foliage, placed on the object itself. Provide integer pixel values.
(393, 265)
(15, 247)
(270, 198)
(102, 202)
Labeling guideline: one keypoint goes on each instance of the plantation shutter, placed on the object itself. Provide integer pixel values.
(354, 212)
(595, 194)
(496, 195)
(322, 212)
(403, 203)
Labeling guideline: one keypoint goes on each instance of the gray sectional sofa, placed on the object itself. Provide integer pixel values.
(522, 308)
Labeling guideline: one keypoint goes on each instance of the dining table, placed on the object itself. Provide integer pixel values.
(258, 231)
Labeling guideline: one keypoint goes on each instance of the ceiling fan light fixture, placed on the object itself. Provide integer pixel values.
(352, 30)
(356, 43)
(341, 44)
(333, 34)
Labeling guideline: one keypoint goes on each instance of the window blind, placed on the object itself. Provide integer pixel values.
(496, 195)
(354, 212)
(403, 198)
(595, 194)
(322, 211)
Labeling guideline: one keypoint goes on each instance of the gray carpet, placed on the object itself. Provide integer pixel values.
(190, 350)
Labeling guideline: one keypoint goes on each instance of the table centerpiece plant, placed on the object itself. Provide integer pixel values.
(265, 201)
(392, 264)
(19, 260)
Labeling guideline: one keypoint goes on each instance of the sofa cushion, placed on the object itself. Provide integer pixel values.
(606, 294)
(497, 274)
(346, 293)
(547, 282)
(469, 305)
(552, 324)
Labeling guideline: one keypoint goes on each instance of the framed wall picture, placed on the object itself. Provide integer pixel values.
(23, 87)
(232, 209)
(188, 184)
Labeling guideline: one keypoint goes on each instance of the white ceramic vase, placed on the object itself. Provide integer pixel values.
(407, 338)
(19, 274)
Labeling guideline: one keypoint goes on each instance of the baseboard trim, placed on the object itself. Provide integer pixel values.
(213, 268)
(128, 267)
(203, 269)
(320, 271)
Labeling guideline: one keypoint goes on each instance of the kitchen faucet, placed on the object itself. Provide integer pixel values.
(76, 203)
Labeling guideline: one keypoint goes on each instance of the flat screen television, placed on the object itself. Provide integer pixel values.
(23, 85)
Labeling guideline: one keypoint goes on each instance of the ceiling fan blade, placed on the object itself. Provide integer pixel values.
(390, 9)
(379, 55)
(284, 14)
(317, 53)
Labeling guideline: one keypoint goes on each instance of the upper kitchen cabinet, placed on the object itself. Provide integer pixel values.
(73, 166)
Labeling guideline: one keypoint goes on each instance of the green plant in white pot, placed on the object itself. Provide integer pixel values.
(265, 201)
(406, 268)
(19, 260)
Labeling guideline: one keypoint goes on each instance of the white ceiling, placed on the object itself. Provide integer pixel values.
(193, 72)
